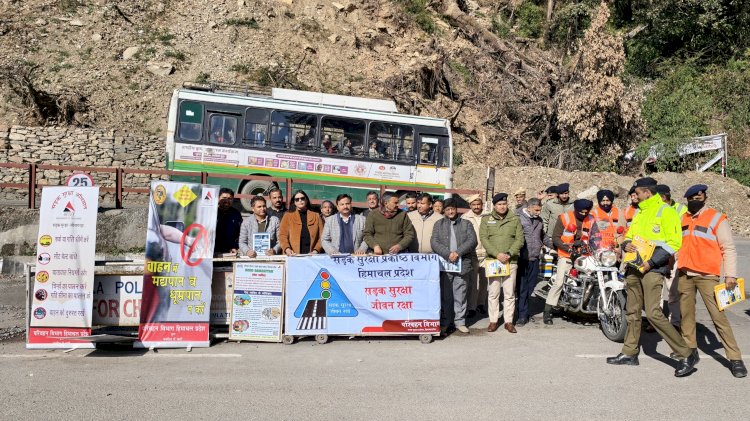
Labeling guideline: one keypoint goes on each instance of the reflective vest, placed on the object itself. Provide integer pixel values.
(630, 213)
(569, 237)
(680, 208)
(700, 250)
(607, 225)
(658, 222)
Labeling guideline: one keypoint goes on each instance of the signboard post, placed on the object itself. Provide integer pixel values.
(175, 310)
(257, 301)
(61, 302)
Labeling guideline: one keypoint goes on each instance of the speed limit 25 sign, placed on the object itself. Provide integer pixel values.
(80, 180)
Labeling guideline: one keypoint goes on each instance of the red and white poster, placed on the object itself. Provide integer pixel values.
(61, 302)
(176, 303)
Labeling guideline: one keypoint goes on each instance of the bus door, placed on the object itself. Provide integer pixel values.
(431, 157)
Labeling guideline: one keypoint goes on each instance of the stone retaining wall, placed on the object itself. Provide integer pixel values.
(83, 147)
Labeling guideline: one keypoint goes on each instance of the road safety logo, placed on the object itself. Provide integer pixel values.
(160, 195)
(184, 196)
(323, 299)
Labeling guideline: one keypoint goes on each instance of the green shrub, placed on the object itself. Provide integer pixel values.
(530, 19)
(420, 13)
(202, 77)
(175, 54)
(246, 22)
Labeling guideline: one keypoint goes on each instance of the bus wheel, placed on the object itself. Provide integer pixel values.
(253, 187)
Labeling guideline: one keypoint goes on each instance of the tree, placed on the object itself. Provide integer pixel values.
(597, 117)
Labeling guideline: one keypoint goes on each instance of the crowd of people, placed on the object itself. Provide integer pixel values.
(516, 232)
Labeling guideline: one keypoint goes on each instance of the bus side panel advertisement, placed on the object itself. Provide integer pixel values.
(290, 163)
(363, 295)
(61, 301)
(176, 304)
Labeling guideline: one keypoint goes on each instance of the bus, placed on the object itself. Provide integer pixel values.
(305, 136)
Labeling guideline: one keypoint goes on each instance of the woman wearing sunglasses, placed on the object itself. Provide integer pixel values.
(301, 228)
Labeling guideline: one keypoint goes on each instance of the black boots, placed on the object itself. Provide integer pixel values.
(738, 368)
(547, 314)
(622, 359)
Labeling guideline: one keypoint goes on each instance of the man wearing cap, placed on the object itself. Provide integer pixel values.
(607, 217)
(501, 235)
(453, 238)
(573, 227)
(707, 246)
(423, 220)
(658, 223)
(477, 291)
(520, 196)
(671, 296)
(552, 209)
(551, 193)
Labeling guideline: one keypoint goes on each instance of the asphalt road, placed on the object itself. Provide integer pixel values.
(553, 373)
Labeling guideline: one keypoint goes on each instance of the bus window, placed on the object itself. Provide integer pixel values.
(393, 141)
(445, 157)
(222, 129)
(256, 127)
(292, 130)
(191, 121)
(345, 136)
(428, 151)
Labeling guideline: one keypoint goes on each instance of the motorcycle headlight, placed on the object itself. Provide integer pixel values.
(608, 258)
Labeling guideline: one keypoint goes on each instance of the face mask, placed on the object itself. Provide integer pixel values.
(694, 206)
(579, 216)
(606, 208)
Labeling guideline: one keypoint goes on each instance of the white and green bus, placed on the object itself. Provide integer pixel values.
(305, 136)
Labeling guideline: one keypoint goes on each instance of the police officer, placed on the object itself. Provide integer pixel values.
(670, 296)
(659, 223)
(707, 245)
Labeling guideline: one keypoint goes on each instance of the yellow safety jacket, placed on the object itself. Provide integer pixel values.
(658, 222)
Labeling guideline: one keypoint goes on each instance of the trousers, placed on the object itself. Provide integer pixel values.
(644, 292)
(688, 285)
(453, 298)
(563, 267)
(477, 291)
(508, 286)
(529, 270)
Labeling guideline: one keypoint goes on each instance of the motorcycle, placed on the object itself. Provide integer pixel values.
(592, 286)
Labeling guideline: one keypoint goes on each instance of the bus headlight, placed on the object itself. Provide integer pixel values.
(608, 258)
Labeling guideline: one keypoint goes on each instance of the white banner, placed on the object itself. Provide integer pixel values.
(61, 302)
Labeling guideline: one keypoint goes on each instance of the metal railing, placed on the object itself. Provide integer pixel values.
(32, 184)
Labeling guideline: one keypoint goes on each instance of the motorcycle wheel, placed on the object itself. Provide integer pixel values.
(614, 326)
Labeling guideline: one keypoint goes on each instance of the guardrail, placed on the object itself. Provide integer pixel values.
(120, 187)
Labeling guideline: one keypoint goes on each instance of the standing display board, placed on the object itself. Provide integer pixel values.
(61, 301)
(257, 301)
(367, 295)
(175, 310)
(221, 292)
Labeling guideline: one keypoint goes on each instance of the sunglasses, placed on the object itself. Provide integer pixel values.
(299, 199)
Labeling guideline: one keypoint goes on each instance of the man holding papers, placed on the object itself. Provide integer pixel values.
(659, 224)
(259, 233)
(707, 245)
(454, 240)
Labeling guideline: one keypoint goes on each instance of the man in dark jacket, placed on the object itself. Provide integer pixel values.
(528, 263)
(388, 230)
(228, 223)
(454, 240)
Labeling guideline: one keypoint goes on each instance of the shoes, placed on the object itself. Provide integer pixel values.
(471, 314)
(462, 329)
(443, 331)
(547, 317)
(687, 366)
(492, 327)
(522, 321)
(738, 368)
(693, 353)
(533, 319)
(622, 359)
(510, 328)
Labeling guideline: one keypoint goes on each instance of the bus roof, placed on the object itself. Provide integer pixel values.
(313, 102)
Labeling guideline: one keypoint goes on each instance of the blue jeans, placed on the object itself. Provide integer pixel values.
(530, 274)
